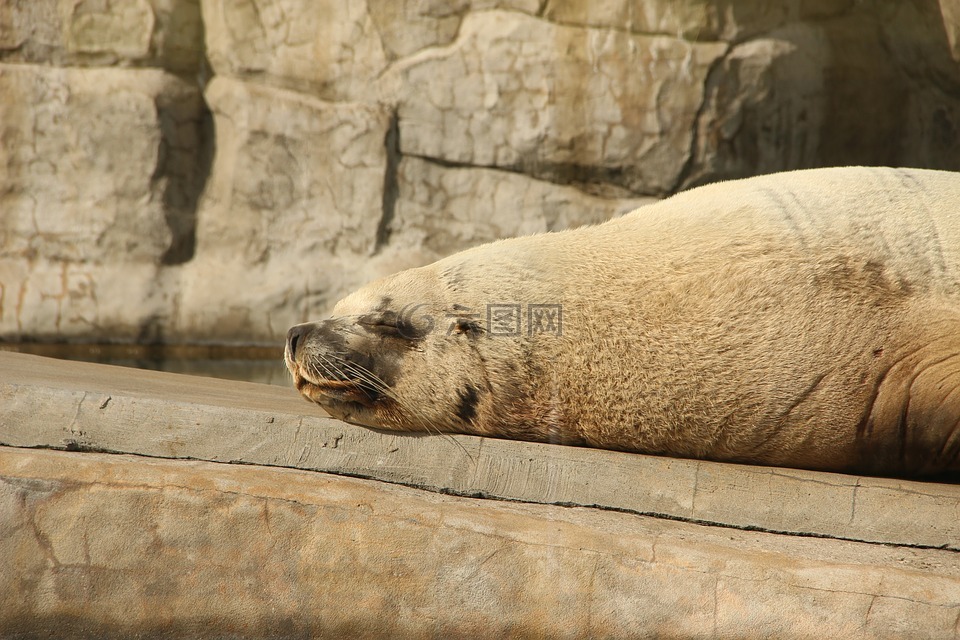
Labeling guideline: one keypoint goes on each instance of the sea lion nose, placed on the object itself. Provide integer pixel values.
(295, 337)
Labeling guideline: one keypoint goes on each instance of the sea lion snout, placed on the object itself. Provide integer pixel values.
(334, 364)
(316, 354)
(326, 335)
(295, 338)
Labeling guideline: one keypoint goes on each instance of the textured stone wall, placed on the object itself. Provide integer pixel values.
(217, 170)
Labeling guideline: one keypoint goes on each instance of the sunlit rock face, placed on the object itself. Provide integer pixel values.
(175, 170)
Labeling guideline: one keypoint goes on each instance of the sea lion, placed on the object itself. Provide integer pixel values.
(806, 319)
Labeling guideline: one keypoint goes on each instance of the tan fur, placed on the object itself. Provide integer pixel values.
(807, 319)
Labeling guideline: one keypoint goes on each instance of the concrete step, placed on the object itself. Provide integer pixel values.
(166, 539)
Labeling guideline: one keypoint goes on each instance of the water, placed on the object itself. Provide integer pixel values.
(247, 363)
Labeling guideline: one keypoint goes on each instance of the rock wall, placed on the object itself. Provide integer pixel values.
(216, 170)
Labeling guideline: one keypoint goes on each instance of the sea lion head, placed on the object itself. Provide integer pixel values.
(403, 353)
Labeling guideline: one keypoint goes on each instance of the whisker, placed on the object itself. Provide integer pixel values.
(429, 428)
(331, 366)
(366, 376)
(328, 369)
(334, 367)
(369, 376)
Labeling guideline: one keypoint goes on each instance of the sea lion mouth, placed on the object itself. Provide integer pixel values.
(323, 383)
(324, 390)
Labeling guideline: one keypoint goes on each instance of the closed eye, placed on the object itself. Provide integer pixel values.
(378, 320)
(393, 325)
(384, 323)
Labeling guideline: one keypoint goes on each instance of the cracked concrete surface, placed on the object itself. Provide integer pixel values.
(79, 406)
(121, 545)
(570, 542)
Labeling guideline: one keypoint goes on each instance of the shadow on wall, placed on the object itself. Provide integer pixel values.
(186, 157)
(877, 85)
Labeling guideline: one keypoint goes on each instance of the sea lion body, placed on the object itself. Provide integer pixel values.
(808, 319)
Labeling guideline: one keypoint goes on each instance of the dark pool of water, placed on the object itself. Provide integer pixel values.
(248, 363)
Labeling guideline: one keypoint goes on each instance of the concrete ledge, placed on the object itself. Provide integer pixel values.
(96, 545)
(80, 406)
